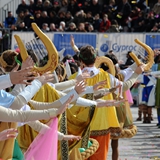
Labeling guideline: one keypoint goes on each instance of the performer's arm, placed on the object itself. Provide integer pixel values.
(127, 73)
(74, 47)
(17, 89)
(70, 84)
(55, 104)
(23, 97)
(38, 126)
(125, 85)
(26, 95)
(8, 115)
(64, 85)
(5, 81)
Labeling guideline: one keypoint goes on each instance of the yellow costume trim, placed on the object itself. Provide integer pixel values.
(52, 51)
(150, 55)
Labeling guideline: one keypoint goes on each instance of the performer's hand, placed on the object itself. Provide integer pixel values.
(8, 133)
(117, 103)
(99, 85)
(71, 138)
(21, 76)
(82, 77)
(109, 103)
(63, 107)
(112, 90)
(80, 87)
(46, 77)
(104, 103)
(140, 69)
(27, 63)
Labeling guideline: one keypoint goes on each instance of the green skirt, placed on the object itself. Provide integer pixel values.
(17, 153)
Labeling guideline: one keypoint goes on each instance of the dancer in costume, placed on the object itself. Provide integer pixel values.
(148, 95)
(100, 128)
(157, 103)
(123, 112)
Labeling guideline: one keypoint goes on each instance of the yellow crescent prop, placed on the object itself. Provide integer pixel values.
(108, 62)
(150, 55)
(52, 51)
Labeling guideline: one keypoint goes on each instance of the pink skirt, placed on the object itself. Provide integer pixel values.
(129, 97)
(44, 146)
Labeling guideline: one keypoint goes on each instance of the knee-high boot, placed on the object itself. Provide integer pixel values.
(149, 114)
(145, 112)
(139, 113)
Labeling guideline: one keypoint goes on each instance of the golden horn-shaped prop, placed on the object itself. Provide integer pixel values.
(150, 55)
(108, 62)
(52, 51)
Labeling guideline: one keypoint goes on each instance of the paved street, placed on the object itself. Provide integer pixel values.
(145, 145)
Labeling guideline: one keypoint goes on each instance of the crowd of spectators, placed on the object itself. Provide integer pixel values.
(85, 16)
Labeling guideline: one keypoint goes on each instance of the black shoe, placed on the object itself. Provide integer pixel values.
(138, 119)
(145, 121)
(148, 121)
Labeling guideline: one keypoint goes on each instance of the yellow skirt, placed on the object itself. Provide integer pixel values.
(26, 133)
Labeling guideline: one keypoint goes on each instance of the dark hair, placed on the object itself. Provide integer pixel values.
(73, 67)
(114, 22)
(87, 55)
(113, 58)
(8, 57)
(61, 72)
(67, 57)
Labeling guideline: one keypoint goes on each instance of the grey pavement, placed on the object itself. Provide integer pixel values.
(143, 146)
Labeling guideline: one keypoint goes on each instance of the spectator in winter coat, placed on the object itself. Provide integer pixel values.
(105, 24)
(22, 7)
(10, 20)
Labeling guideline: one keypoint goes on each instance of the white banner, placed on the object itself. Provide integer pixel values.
(29, 41)
(26, 37)
(120, 43)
